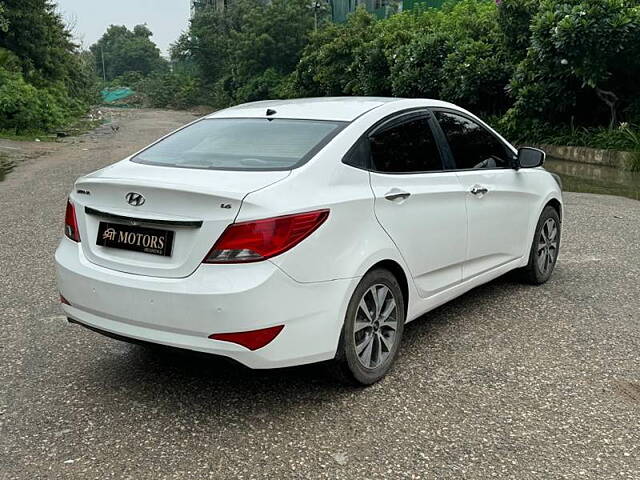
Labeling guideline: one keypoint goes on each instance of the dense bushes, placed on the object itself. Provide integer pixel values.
(171, 89)
(44, 80)
(538, 66)
(24, 107)
(245, 52)
(583, 63)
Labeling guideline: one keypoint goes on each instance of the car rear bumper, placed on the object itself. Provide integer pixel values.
(183, 312)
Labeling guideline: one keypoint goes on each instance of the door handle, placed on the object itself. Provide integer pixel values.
(479, 190)
(396, 195)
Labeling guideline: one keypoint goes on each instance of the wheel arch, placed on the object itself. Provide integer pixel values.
(556, 205)
(396, 269)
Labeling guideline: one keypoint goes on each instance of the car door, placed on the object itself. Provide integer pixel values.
(419, 203)
(498, 199)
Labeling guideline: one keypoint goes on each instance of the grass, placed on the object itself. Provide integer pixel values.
(76, 127)
(27, 136)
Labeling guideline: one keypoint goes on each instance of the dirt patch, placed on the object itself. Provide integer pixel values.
(121, 133)
(629, 391)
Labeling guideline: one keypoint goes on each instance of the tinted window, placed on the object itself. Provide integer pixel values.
(471, 144)
(241, 143)
(408, 147)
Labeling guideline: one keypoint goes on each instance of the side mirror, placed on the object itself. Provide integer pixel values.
(530, 157)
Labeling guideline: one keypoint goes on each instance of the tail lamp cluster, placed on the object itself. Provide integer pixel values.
(243, 242)
(255, 241)
(259, 240)
(71, 223)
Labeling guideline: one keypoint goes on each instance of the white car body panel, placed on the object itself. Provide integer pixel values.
(444, 240)
(434, 197)
(173, 194)
(183, 312)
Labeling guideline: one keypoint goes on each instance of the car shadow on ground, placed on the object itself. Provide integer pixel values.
(158, 376)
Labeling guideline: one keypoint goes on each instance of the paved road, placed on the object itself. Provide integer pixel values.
(508, 381)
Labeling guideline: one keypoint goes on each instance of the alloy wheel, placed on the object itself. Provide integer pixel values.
(547, 246)
(376, 324)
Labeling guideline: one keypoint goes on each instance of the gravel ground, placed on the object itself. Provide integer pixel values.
(509, 381)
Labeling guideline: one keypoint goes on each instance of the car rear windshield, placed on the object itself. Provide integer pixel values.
(242, 144)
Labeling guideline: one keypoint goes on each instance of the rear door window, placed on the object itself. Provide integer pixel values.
(407, 147)
(242, 144)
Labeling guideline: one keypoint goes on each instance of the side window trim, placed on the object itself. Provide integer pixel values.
(448, 162)
(393, 120)
(448, 147)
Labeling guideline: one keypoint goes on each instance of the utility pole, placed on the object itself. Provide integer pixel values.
(104, 72)
(316, 7)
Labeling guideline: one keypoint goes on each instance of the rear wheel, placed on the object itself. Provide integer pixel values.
(545, 248)
(372, 330)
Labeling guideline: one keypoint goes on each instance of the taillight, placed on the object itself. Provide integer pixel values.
(71, 223)
(261, 239)
(252, 340)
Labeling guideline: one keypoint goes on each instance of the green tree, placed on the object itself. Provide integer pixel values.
(583, 53)
(454, 53)
(248, 50)
(125, 51)
(38, 37)
(417, 70)
(329, 62)
(45, 80)
(4, 23)
(375, 57)
(514, 19)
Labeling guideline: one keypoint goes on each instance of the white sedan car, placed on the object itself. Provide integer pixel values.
(287, 232)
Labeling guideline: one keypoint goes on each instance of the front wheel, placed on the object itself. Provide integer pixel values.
(372, 330)
(545, 248)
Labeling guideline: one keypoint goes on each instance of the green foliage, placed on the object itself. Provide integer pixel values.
(126, 51)
(171, 90)
(4, 23)
(583, 62)
(536, 66)
(374, 59)
(514, 20)
(9, 61)
(474, 76)
(24, 107)
(129, 79)
(452, 53)
(328, 65)
(417, 70)
(247, 50)
(44, 80)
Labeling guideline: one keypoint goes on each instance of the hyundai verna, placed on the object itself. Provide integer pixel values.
(286, 232)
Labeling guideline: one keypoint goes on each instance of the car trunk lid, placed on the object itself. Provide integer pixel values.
(194, 205)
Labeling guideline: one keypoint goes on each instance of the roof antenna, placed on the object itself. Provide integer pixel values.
(270, 112)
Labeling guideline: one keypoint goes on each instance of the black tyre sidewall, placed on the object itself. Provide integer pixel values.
(347, 351)
(533, 270)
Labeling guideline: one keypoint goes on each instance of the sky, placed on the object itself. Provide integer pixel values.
(90, 18)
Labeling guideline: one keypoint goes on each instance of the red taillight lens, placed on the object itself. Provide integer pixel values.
(252, 340)
(71, 223)
(262, 239)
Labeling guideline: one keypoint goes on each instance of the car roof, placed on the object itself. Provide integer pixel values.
(345, 109)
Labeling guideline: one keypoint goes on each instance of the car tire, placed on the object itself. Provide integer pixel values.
(372, 330)
(545, 248)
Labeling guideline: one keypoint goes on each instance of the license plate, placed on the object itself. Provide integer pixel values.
(138, 239)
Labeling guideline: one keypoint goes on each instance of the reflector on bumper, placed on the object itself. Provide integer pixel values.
(253, 340)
